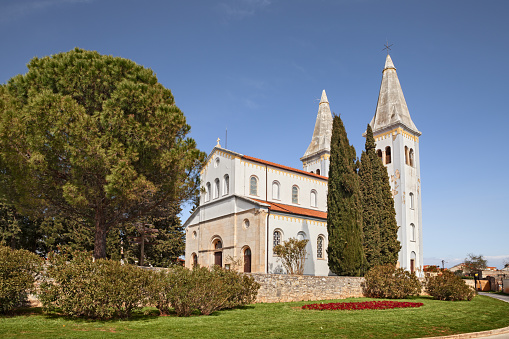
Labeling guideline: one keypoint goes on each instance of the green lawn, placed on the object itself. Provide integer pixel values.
(435, 318)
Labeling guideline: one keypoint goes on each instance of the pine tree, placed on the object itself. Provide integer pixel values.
(344, 216)
(384, 212)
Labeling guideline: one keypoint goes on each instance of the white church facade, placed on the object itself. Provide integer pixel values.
(250, 205)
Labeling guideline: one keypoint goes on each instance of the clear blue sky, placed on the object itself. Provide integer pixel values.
(257, 67)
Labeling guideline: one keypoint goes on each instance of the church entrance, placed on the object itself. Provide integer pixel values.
(247, 260)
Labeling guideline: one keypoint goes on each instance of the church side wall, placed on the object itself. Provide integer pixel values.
(300, 228)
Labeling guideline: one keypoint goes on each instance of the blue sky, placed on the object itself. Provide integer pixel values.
(257, 67)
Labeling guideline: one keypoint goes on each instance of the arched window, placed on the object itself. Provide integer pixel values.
(301, 236)
(411, 200)
(295, 195)
(207, 193)
(194, 259)
(319, 247)
(318, 171)
(275, 190)
(247, 260)
(412, 232)
(388, 155)
(216, 188)
(407, 160)
(379, 153)
(411, 153)
(276, 239)
(253, 186)
(226, 184)
(313, 198)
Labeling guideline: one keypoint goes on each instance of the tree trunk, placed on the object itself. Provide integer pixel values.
(100, 235)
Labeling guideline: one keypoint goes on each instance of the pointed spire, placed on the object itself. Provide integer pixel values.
(323, 128)
(391, 108)
(324, 98)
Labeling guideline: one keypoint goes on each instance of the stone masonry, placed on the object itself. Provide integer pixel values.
(284, 287)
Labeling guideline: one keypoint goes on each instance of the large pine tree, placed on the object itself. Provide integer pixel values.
(344, 207)
(378, 208)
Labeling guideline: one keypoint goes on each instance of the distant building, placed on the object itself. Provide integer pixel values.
(250, 205)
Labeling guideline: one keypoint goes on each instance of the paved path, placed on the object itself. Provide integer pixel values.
(496, 296)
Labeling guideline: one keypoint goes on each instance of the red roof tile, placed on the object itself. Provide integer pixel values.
(284, 167)
(294, 210)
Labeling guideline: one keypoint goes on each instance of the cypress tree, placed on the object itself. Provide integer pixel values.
(385, 213)
(344, 207)
(370, 209)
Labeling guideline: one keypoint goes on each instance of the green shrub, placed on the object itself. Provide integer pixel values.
(201, 289)
(18, 269)
(387, 281)
(448, 286)
(77, 286)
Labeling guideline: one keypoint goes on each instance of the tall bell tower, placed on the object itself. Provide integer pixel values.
(316, 159)
(397, 143)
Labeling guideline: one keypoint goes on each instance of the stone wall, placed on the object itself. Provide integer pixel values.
(284, 287)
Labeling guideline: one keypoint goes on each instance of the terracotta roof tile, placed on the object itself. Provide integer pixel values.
(294, 209)
(284, 167)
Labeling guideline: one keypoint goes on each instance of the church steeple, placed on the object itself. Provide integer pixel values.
(316, 157)
(397, 144)
(391, 109)
(323, 128)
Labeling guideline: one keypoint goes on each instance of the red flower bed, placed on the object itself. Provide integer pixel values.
(365, 305)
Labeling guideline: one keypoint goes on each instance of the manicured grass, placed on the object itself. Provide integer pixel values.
(276, 321)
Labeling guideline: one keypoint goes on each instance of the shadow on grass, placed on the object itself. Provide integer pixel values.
(143, 315)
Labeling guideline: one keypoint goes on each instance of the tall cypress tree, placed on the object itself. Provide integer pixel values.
(370, 211)
(384, 211)
(344, 207)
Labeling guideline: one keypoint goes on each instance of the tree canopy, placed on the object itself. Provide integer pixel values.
(96, 139)
(475, 262)
(344, 207)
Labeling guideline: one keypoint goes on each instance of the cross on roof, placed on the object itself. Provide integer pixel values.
(387, 47)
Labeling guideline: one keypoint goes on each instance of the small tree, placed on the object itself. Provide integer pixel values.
(293, 255)
(475, 262)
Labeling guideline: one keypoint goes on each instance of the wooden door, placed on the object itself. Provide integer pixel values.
(218, 258)
(247, 261)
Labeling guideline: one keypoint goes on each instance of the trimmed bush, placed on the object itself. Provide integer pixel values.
(448, 286)
(200, 289)
(387, 281)
(18, 269)
(79, 287)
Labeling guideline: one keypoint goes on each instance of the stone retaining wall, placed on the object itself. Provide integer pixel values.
(284, 287)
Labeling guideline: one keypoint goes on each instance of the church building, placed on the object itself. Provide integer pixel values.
(250, 205)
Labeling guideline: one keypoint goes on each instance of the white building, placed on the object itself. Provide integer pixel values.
(250, 205)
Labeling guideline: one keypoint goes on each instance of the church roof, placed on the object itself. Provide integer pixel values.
(283, 167)
(391, 109)
(323, 129)
(276, 207)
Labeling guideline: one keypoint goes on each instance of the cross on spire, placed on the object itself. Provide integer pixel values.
(387, 47)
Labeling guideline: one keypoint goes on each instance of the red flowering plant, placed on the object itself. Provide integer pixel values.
(364, 305)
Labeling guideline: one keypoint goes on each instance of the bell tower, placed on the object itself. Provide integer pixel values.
(316, 158)
(397, 143)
